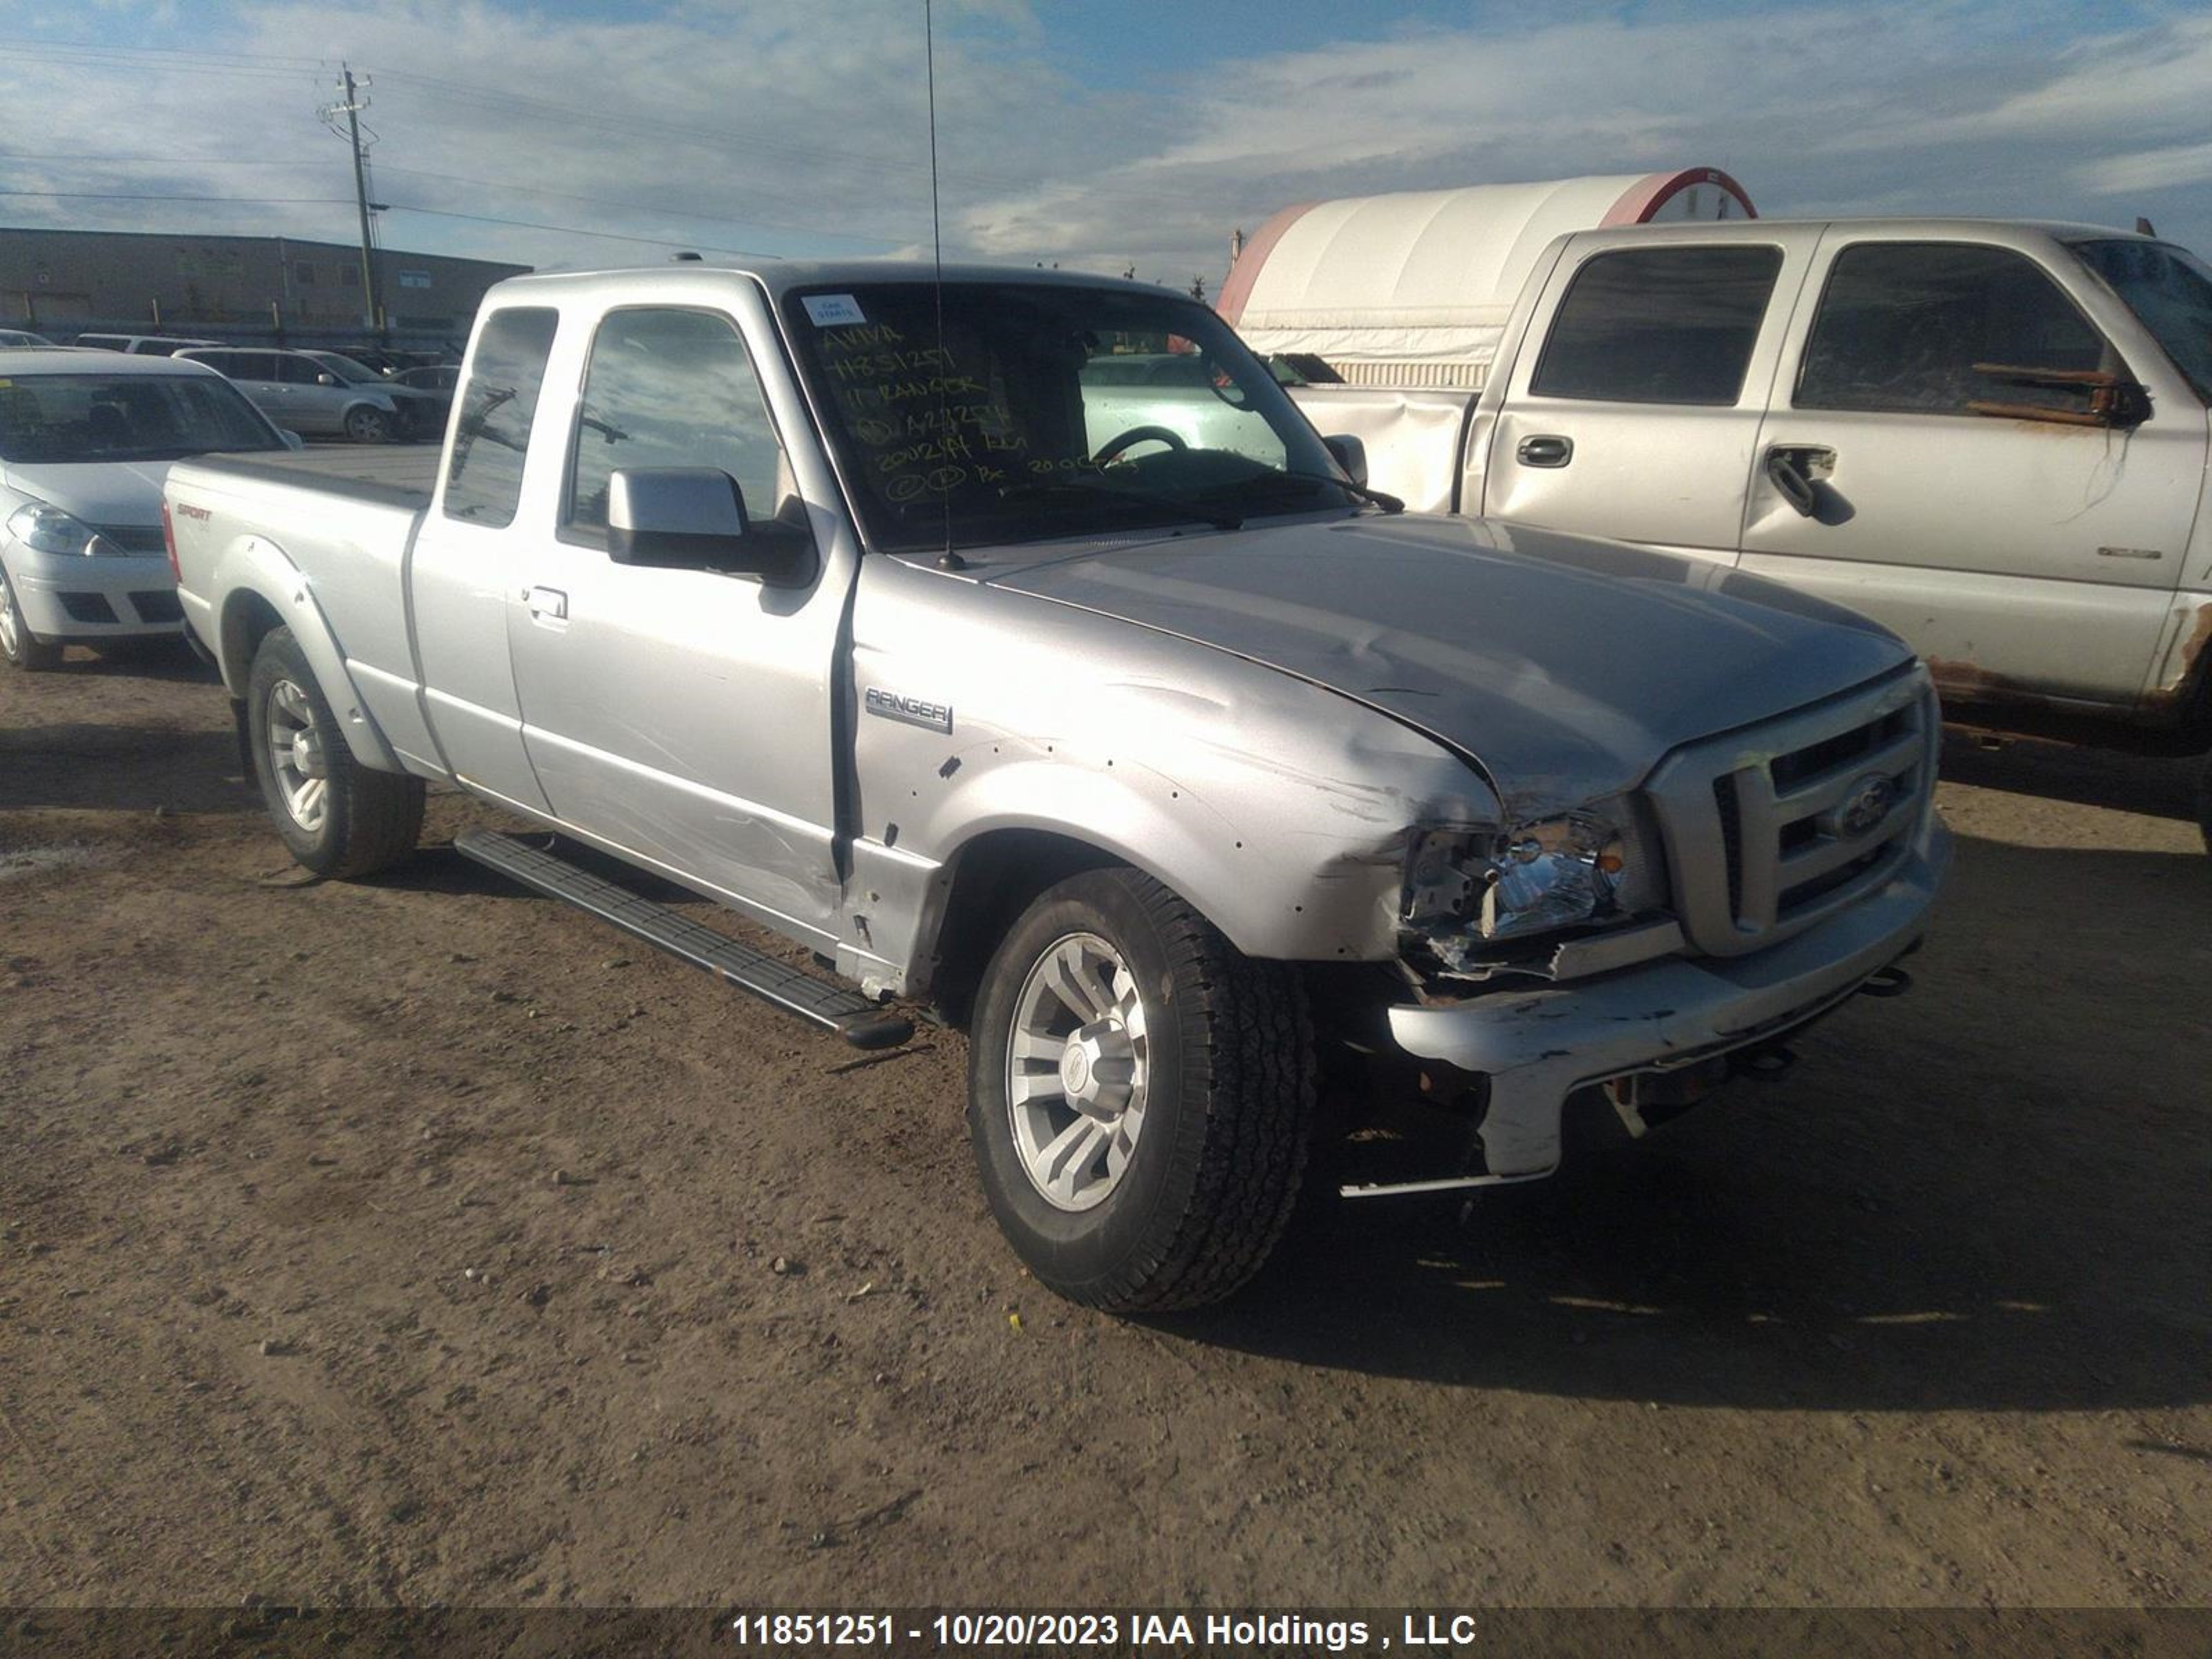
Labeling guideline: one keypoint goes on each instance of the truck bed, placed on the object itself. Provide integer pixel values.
(389, 475)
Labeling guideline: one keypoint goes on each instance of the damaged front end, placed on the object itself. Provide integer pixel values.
(1555, 898)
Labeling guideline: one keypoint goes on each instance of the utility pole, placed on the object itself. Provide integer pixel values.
(352, 106)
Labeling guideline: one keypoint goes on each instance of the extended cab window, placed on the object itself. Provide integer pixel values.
(672, 388)
(1659, 325)
(1913, 327)
(491, 432)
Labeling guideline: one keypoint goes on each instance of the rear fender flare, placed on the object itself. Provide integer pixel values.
(255, 566)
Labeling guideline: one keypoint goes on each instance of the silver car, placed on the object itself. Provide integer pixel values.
(302, 393)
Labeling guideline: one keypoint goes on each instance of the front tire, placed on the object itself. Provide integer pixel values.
(1141, 1097)
(22, 649)
(338, 818)
(365, 425)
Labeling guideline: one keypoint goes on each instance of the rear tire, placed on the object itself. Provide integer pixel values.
(338, 818)
(1170, 1184)
(22, 648)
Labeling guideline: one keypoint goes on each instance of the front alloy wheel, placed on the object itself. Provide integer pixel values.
(22, 649)
(1140, 1096)
(1076, 1071)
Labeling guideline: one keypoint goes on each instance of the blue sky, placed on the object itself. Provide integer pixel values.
(1089, 135)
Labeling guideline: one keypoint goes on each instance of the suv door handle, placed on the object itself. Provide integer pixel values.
(1790, 468)
(549, 602)
(1546, 449)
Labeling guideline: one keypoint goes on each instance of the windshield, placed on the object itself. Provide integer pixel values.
(2170, 291)
(125, 417)
(346, 369)
(1047, 411)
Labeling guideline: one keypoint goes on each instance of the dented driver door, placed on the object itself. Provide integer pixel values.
(684, 716)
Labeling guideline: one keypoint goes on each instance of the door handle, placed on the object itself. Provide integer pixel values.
(546, 602)
(1546, 449)
(1791, 469)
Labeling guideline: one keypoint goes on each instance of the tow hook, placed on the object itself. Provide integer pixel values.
(1890, 981)
(1769, 1063)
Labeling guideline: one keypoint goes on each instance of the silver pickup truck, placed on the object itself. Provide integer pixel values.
(1991, 436)
(899, 616)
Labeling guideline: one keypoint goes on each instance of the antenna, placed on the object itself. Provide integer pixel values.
(948, 560)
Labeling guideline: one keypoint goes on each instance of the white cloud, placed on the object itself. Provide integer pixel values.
(802, 127)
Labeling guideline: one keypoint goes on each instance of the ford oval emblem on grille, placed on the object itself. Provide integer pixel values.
(1864, 805)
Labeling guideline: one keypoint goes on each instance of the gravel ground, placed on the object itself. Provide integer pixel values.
(418, 1240)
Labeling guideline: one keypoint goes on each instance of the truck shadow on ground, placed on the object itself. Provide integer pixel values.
(2157, 786)
(168, 660)
(121, 768)
(1986, 1194)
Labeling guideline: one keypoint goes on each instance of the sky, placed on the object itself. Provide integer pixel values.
(1091, 135)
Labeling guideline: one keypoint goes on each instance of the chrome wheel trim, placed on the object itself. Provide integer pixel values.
(296, 755)
(1077, 1072)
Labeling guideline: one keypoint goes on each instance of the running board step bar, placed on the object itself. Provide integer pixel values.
(850, 1015)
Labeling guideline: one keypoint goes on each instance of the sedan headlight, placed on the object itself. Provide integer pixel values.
(1469, 889)
(47, 529)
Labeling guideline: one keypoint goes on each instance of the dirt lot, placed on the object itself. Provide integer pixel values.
(415, 1240)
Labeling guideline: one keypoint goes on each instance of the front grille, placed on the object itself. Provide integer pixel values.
(1770, 829)
(132, 537)
(88, 607)
(157, 605)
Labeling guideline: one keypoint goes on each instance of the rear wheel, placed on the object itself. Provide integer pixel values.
(1140, 1096)
(338, 818)
(22, 649)
(365, 425)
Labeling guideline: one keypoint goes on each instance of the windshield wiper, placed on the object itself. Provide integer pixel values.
(1182, 506)
(1381, 498)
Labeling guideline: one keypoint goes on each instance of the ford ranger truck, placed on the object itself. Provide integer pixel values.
(1991, 436)
(1110, 713)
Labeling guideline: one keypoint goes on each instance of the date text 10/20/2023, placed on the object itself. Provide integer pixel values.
(1167, 1631)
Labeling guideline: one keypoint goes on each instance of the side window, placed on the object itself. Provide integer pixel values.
(239, 365)
(1911, 326)
(299, 371)
(672, 388)
(491, 432)
(1659, 325)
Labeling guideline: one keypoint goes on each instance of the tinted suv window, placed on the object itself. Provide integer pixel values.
(1902, 326)
(491, 433)
(299, 371)
(1659, 325)
(239, 365)
(671, 388)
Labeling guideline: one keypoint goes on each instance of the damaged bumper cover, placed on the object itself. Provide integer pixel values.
(1537, 1048)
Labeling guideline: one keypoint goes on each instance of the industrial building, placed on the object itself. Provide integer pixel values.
(263, 289)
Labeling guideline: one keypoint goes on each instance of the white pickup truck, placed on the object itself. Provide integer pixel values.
(898, 614)
(1991, 437)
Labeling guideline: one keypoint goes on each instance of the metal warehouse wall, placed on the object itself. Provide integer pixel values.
(63, 282)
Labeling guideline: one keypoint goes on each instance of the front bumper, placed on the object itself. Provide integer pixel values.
(1538, 1047)
(66, 596)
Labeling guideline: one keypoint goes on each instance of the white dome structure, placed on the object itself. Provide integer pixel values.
(1413, 288)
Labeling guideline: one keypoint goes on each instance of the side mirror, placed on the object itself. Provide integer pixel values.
(292, 440)
(694, 517)
(2109, 400)
(326, 380)
(1351, 455)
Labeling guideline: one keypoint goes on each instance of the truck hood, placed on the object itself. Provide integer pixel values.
(1565, 666)
(98, 492)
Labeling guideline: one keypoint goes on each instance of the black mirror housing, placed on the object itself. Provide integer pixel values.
(1351, 454)
(694, 517)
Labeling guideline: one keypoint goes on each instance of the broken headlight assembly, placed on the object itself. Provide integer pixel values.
(1478, 896)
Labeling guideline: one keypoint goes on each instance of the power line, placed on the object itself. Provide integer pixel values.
(134, 196)
(606, 235)
(455, 179)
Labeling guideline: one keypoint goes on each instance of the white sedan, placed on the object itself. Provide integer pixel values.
(85, 440)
